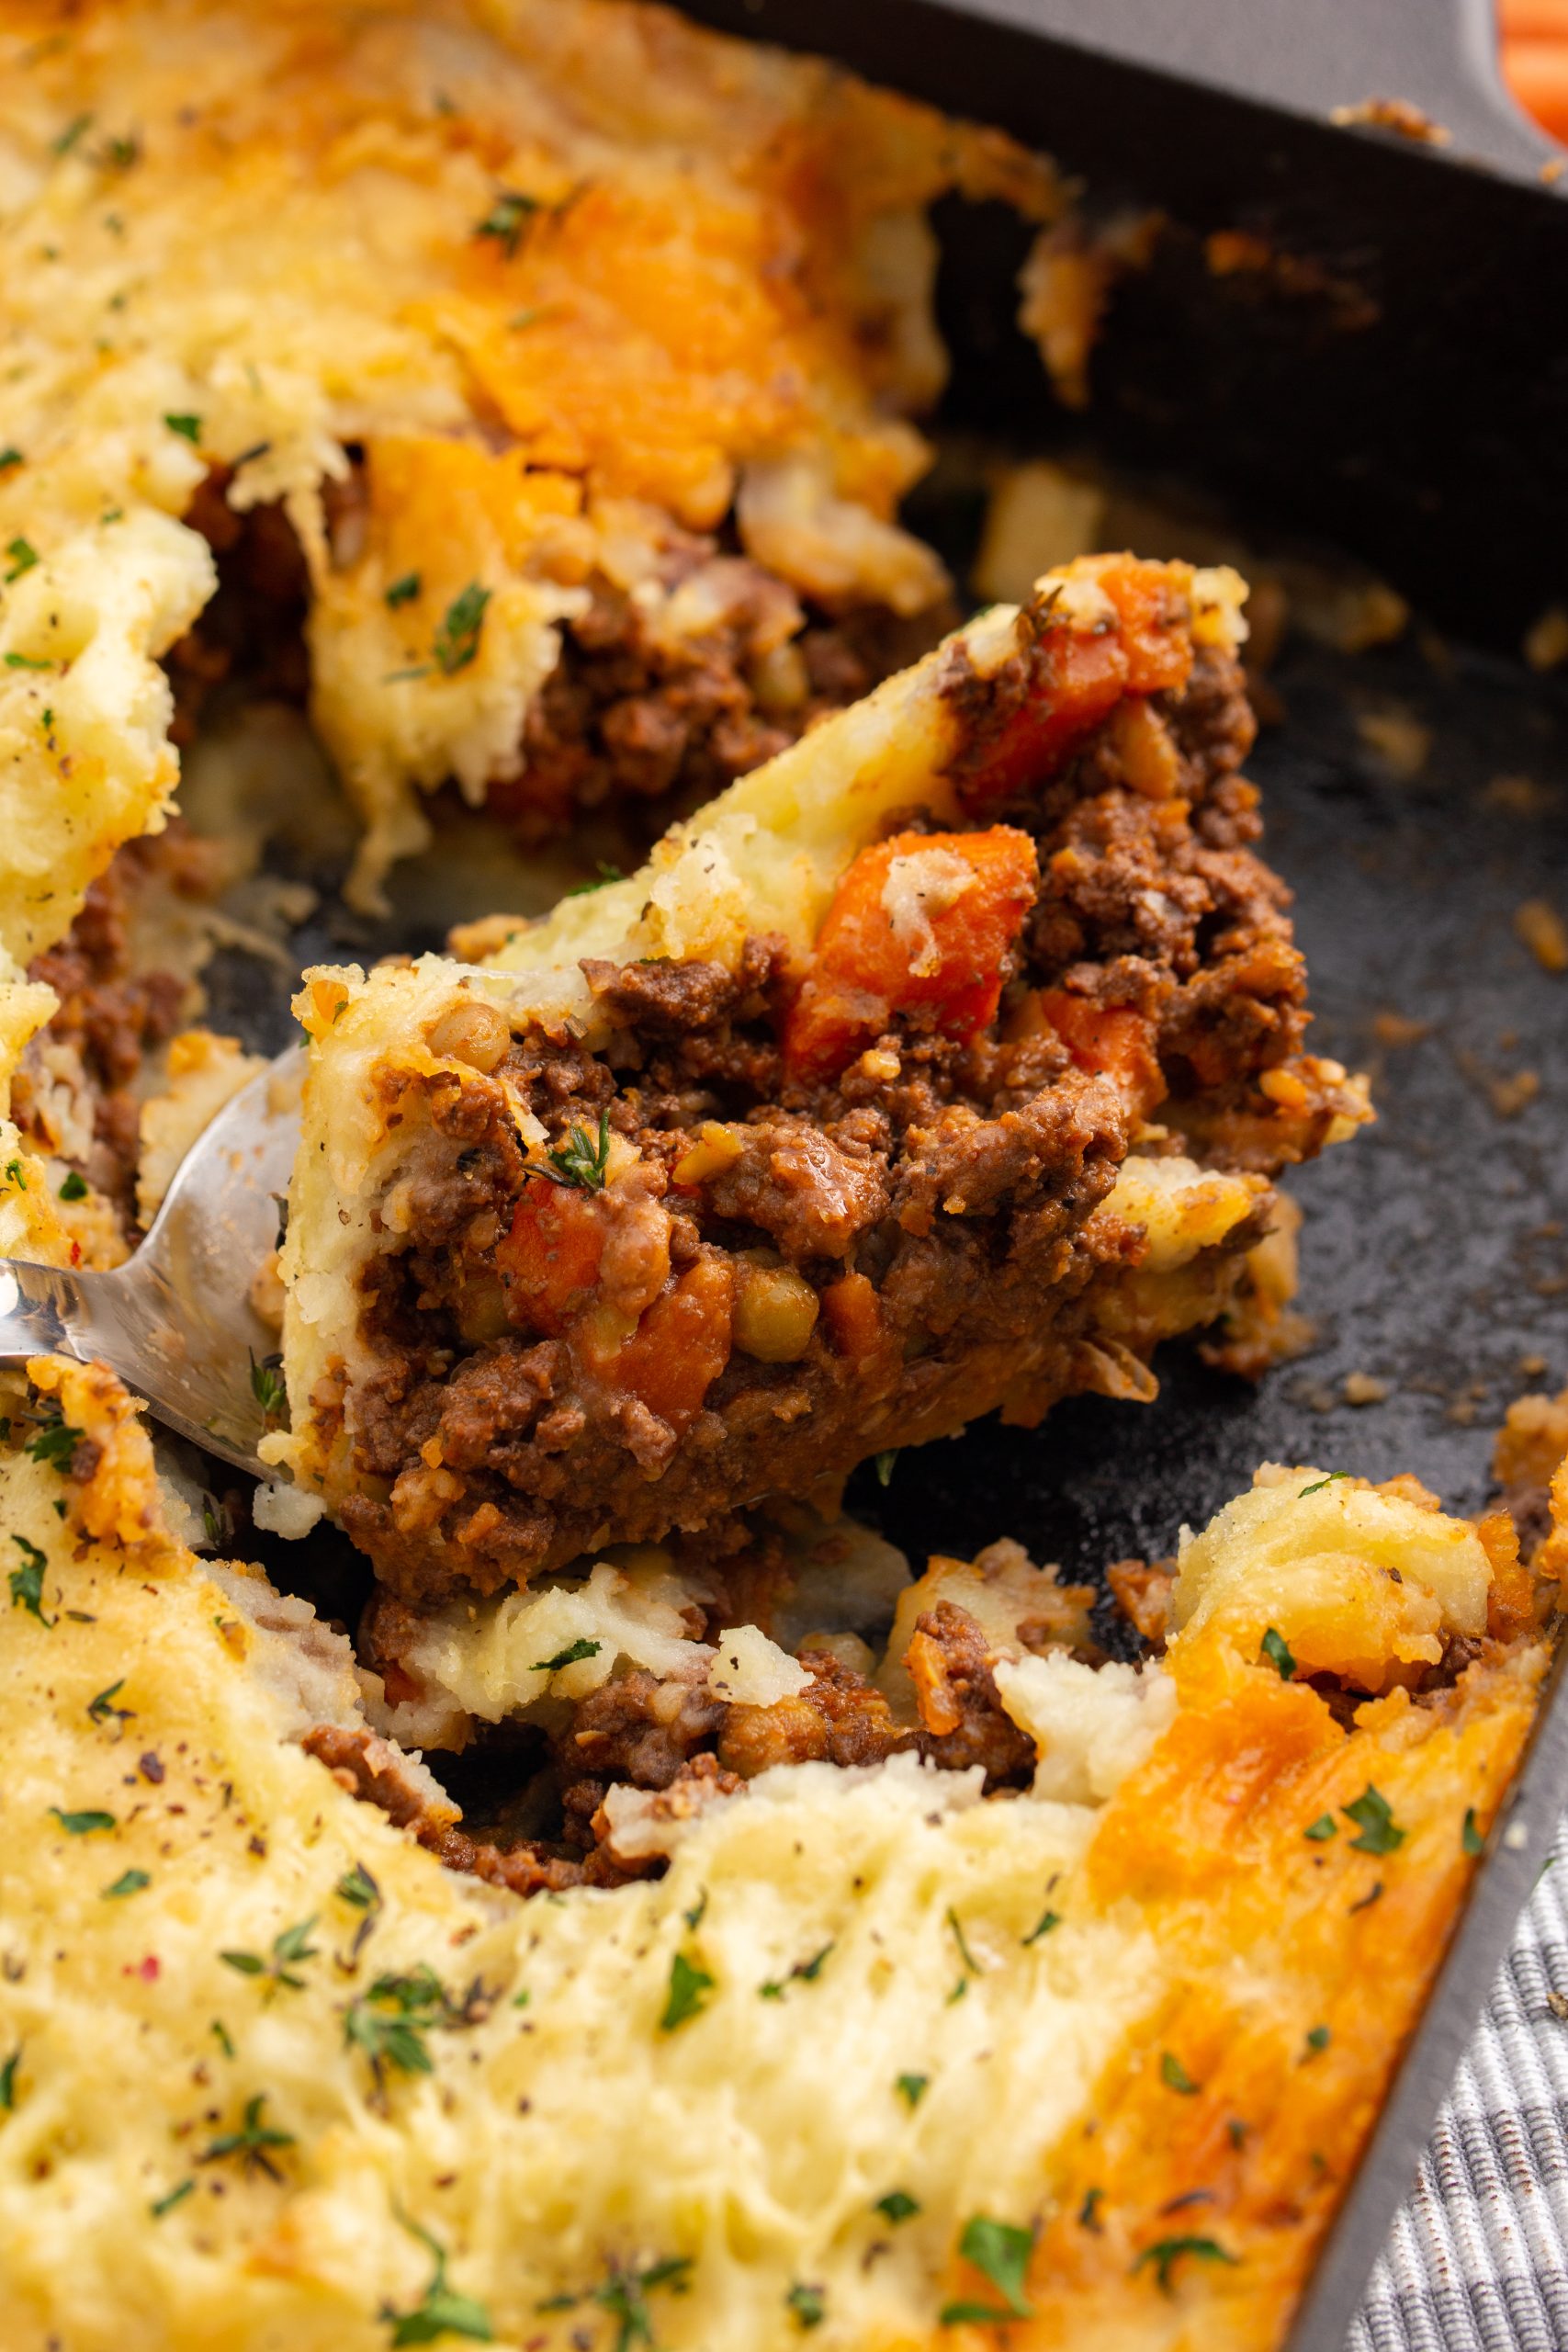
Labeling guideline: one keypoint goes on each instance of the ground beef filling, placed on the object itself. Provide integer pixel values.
(75, 1095)
(638, 714)
(654, 723)
(676, 1741)
(852, 1263)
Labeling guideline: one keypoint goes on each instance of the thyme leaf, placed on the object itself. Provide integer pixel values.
(582, 1160)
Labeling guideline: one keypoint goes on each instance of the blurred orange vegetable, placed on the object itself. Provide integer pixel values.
(1535, 58)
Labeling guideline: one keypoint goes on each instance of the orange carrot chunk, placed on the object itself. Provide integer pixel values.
(680, 1345)
(1076, 677)
(549, 1260)
(1111, 1038)
(852, 1316)
(921, 922)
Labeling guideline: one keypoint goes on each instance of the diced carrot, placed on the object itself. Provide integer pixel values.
(680, 1345)
(850, 1312)
(549, 1260)
(1074, 681)
(1076, 677)
(925, 1662)
(1112, 1038)
(921, 921)
(1151, 600)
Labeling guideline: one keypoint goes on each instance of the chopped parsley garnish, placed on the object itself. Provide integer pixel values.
(1319, 2037)
(970, 1962)
(1277, 1651)
(119, 154)
(1043, 1925)
(127, 1883)
(289, 1951)
(187, 428)
(883, 1465)
(9, 458)
(582, 1160)
(623, 2295)
(176, 2196)
(15, 1174)
(1470, 1837)
(508, 220)
(999, 2252)
(26, 1582)
(605, 874)
(1316, 1488)
(83, 1825)
(8, 2080)
(808, 2304)
(402, 591)
(390, 2022)
(1235, 2131)
(74, 130)
(23, 555)
(220, 2033)
(357, 1886)
(1324, 1826)
(268, 1385)
(74, 1187)
(574, 1651)
(102, 1707)
(251, 2142)
(1373, 1816)
(25, 661)
(456, 640)
(54, 1441)
(807, 1971)
(689, 1986)
(1371, 1896)
(898, 2205)
(440, 2310)
(1089, 2211)
(1167, 2252)
(912, 2089)
(695, 1916)
(1175, 2076)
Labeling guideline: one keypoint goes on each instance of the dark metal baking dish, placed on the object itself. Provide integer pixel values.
(1429, 441)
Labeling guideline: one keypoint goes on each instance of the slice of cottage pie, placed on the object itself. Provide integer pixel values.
(944, 1063)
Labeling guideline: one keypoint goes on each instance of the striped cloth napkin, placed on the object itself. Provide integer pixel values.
(1478, 2259)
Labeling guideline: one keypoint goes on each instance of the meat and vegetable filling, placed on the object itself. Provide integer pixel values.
(751, 1220)
(664, 690)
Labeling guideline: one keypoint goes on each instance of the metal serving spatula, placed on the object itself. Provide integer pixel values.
(175, 1321)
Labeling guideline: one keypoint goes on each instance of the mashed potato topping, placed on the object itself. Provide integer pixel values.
(273, 2076)
(489, 302)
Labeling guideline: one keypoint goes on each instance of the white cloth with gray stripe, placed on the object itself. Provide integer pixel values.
(1478, 2259)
